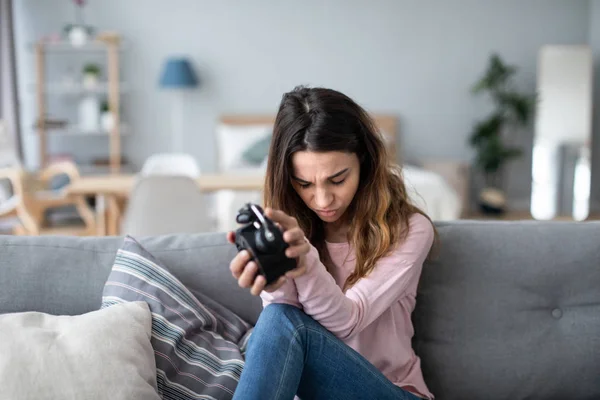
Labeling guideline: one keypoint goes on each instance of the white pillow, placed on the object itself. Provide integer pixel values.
(103, 354)
(233, 140)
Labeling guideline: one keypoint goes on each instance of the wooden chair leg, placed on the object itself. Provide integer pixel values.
(86, 214)
(19, 230)
(114, 216)
(28, 222)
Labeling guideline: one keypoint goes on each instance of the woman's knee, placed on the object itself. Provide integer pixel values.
(278, 313)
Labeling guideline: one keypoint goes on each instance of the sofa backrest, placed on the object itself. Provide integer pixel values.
(511, 310)
(66, 275)
(505, 309)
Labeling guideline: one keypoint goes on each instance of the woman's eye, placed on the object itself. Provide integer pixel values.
(304, 185)
(339, 182)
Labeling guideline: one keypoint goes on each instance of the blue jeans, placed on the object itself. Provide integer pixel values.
(289, 353)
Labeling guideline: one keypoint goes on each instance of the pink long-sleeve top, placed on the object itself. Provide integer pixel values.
(373, 316)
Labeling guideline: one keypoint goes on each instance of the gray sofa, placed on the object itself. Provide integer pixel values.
(506, 310)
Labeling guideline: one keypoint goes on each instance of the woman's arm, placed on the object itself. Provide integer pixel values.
(347, 314)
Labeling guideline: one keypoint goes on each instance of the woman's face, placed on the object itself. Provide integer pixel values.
(326, 181)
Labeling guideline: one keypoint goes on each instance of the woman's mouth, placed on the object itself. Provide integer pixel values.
(326, 213)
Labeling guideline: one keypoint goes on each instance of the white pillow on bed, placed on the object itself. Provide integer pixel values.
(233, 140)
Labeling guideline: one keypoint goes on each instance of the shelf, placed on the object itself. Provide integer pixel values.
(75, 131)
(65, 46)
(107, 44)
(64, 88)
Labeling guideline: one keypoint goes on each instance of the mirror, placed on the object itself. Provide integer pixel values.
(562, 137)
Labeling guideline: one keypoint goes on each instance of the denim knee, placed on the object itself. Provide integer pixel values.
(279, 314)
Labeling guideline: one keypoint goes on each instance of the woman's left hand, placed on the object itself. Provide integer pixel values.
(299, 246)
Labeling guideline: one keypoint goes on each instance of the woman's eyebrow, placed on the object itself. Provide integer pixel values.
(338, 173)
(330, 177)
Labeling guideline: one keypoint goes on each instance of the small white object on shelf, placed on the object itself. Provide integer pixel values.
(89, 114)
(78, 36)
(90, 81)
(107, 121)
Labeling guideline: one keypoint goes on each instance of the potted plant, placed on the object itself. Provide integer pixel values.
(91, 74)
(107, 119)
(493, 137)
(78, 33)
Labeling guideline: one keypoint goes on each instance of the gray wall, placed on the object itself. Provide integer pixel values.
(415, 59)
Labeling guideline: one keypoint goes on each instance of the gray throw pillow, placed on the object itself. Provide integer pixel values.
(198, 344)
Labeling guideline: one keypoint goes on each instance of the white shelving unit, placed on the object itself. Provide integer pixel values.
(113, 88)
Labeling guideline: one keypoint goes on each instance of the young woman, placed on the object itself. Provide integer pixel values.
(339, 325)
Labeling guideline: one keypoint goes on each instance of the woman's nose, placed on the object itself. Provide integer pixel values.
(323, 198)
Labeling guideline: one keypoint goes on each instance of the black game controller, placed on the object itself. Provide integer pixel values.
(264, 241)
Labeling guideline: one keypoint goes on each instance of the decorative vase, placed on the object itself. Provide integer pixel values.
(89, 114)
(90, 81)
(107, 121)
(78, 36)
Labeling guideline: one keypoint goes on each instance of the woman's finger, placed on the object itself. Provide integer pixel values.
(275, 285)
(296, 272)
(259, 285)
(247, 277)
(238, 263)
(294, 236)
(297, 251)
(282, 218)
(231, 237)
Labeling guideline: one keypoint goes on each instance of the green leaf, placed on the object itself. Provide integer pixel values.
(521, 107)
(486, 129)
(496, 75)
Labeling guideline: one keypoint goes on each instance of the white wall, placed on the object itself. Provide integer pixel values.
(416, 59)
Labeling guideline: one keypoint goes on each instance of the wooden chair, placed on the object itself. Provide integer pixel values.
(39, 199)
(31, 198)
(13, 212)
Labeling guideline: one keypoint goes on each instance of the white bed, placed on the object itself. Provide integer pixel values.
(439, 196)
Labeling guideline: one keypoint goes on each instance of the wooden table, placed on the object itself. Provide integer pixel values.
(110, 189)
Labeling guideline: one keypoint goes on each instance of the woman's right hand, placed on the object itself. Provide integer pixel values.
(246, 272)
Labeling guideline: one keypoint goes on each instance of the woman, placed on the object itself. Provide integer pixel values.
(338, 326)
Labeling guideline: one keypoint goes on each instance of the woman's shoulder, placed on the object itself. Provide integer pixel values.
(418, 220)
(420, 231)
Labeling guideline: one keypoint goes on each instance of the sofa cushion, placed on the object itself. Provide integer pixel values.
(66, 275)
(198, 344)
(103, 354)
(511, 310)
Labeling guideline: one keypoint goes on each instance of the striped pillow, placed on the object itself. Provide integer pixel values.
(198, 344)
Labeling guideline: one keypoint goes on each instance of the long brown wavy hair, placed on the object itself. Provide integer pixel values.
(323, 120)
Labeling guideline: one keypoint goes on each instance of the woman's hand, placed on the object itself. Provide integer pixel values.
(245, 271)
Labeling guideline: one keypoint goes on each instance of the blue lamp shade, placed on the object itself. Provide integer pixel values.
(178, 73)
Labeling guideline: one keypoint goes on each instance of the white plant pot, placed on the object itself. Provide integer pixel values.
(107, 121)
(90, 81)
(89, 114)
(78, 36)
